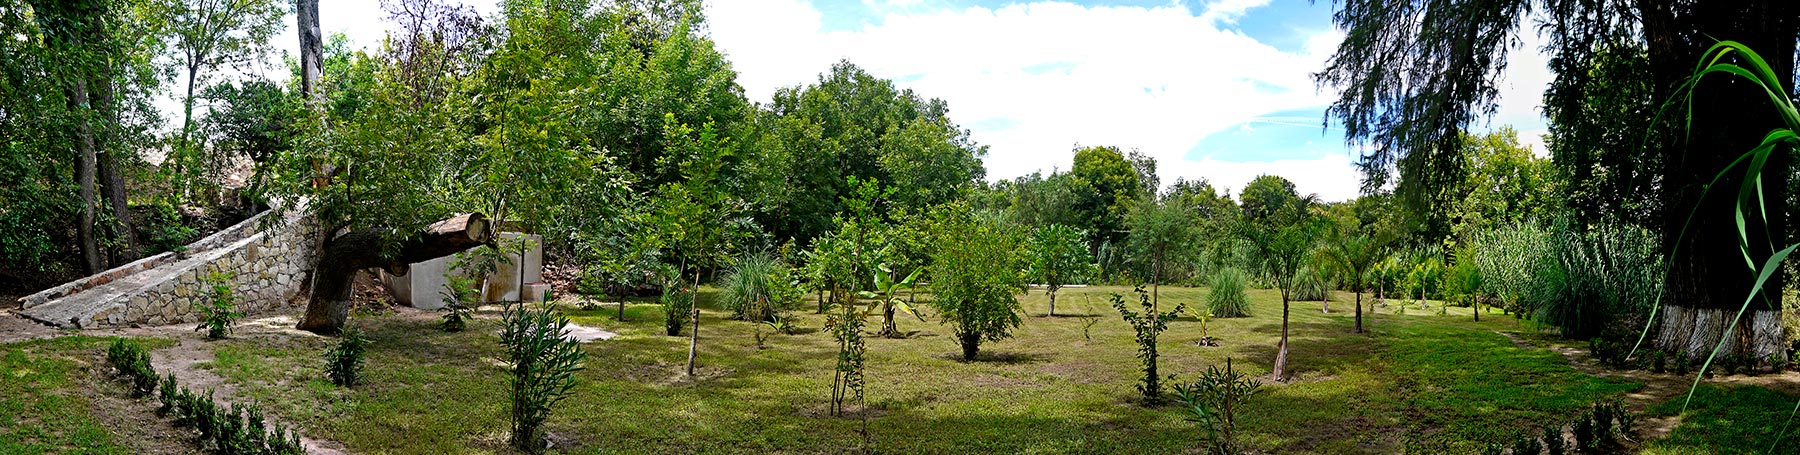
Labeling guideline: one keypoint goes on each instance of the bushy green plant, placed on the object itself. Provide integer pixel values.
(1605, 274)
(1584, 430)
(1309, 284)
(1527, 445)
(1682, 364)
(1227, 299)
(343, 362)
(1603, 423)
(457, 289)
(544, 364)
(677, 303)
(219, 313)
(1554, 444)
(758, 288)
(1213, 401)
(133, 362)
(1148, 325)
(976, 275)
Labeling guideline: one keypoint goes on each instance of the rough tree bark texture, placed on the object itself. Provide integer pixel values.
(1708, 279)
(1281, 352)
(354, 251)
(312, 47)
(112, 182)
(84, 175)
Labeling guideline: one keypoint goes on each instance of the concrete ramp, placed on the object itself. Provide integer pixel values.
(266, 268)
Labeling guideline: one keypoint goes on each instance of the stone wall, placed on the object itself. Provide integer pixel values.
(268, 268)
(267, 271)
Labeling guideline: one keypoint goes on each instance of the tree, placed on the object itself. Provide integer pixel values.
(391, 179)
(1355, 255)
(92, 56)
(689, 211)
(975, 276)
(1162, 231)
(1267, 196)
(1282, 242)
(254, 120)
(1505, 183)
(1105, 186)
(1058, 256)
(209, 34)
(1413, 75)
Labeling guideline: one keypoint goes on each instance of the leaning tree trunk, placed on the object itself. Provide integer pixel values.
(354, 251)
(1708, 282)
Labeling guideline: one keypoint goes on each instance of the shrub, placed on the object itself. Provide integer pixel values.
(458, 289)
(220, 313)
(1603, 423)
(1148, 325)
(1607, 274)
(1310, 285)
(343, 363)
(758, 288)
(543, 369)
(1553, 440)
(1213, 402)
(1527, 445)
(1584, 430)
(133, 362)
(676, 303)
(1658, 361)
(1227, 299)
(976, 276)
(1682, 365)
(167, 395)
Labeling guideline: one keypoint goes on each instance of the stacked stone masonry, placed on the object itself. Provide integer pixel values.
(267, 267)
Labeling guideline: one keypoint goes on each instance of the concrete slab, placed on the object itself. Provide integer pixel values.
(585, 334)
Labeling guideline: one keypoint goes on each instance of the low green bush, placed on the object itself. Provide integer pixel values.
(1227, 299)
(343, 362)
(676, 303)
(1214, 401)
(133, 362)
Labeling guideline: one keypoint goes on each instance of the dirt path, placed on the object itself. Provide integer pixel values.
(1658, 388)
(14, 328)
(184, 359)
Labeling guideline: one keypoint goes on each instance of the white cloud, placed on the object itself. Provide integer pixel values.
(1154, 79)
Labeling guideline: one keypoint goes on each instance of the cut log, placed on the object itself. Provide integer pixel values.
(328, 306)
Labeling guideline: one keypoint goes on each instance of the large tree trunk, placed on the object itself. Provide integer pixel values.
(1708, 280)
(84, 176)
(112, 182)
(312, 47)
(354, 251)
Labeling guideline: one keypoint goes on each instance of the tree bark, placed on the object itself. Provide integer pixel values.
(1051, 290)
(1279, 373)
(1359, 328)
(694, 336)
(344, 255)
(112, 182)
(1708, 282)
(84, 175)
(312, 48)
(971, 345)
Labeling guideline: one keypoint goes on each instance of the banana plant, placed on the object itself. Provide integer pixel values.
(888, 300)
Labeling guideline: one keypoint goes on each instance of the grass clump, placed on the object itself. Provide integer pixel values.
(677, 303)
(1227, 299)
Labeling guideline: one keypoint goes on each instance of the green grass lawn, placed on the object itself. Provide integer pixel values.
(1729, 420)
(42, 409)
(1420, 382)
